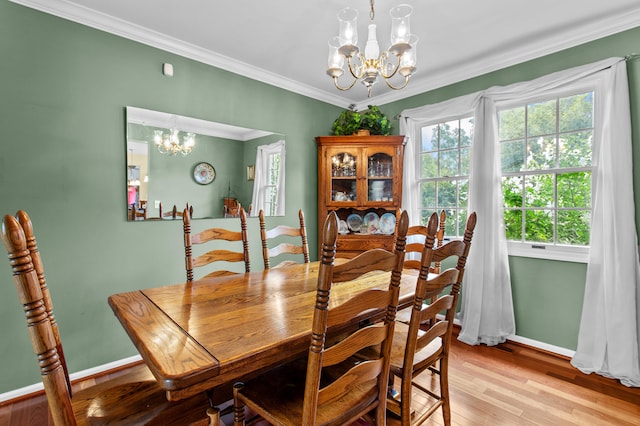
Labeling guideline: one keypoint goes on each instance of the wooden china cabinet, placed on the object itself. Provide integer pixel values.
(360, 178)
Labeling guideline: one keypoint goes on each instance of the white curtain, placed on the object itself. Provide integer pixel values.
(261, 178)
(608, 341)
(487, 309)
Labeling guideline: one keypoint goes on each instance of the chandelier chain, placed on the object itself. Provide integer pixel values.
(372, 12)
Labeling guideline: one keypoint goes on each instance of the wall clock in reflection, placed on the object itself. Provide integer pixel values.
(204, 173)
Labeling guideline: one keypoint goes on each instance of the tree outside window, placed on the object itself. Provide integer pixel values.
(445, 156)
(546, 152)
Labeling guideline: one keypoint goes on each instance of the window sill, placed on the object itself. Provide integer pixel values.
(549, 252)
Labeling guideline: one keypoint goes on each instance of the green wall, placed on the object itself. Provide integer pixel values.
(64, 89)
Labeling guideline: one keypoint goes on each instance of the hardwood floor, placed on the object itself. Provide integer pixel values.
(509, 384)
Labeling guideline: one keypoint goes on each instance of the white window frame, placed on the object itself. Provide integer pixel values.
(418, 165)
(561, 252)
(261, 178)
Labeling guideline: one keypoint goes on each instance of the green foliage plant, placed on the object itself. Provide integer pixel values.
(375, 121)
(347, 123)
(350, 121)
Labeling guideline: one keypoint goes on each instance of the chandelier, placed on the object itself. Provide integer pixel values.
(399, 59)
(169, 143)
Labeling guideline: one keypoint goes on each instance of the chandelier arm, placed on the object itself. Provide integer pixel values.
(406, 81)
(395, 69)
(345, 88)
(351, 70)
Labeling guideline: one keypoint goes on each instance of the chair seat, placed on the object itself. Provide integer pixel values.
(404, 315)
(283, 387)
(103, 403)
(423, 357)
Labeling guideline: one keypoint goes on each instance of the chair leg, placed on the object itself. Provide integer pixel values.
(444, 391)
(405, 399)
(238, 407)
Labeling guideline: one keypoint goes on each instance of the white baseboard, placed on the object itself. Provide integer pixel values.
(73, 376)
(533, 343)
(543, 346)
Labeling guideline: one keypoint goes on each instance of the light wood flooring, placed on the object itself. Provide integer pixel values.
(508, 384)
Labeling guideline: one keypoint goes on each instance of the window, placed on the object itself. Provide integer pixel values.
(445, 154)
(269, 180)
(271, 185)
(546, 159)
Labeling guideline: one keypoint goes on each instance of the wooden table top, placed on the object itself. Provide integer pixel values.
(195, 336)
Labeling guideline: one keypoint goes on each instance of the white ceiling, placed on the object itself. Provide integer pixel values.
(284, 42)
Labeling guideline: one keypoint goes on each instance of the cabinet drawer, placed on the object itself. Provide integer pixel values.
(362, 243)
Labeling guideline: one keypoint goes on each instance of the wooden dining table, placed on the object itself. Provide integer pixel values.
(197, 335)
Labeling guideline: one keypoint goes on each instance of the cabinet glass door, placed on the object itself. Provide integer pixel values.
(380, 177)
(344, 178)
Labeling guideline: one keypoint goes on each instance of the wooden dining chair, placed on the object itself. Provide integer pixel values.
(174, 213)
(329, 386)
(133, 397)
(136, 213)
(416, 238)
(415, 244)
(418, 349)
(219, 235)
(276, 236)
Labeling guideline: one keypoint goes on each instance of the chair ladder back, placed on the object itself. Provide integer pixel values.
(303, 235)
(263, 238)
(39, 325)
(415, 246)
(188, 250)
(216, 255)
(283, 247)
(173, 213)
(374, 371)
(25, 221)
(439, 240)
(245, 240)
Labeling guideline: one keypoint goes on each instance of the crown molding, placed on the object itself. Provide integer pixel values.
(447, 74)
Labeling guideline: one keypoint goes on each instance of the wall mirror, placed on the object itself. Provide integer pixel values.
(212, 168)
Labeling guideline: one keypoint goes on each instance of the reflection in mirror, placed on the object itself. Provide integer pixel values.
(158, 180)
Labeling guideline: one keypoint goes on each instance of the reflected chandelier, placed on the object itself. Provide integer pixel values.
(169, 143)
(373, 63)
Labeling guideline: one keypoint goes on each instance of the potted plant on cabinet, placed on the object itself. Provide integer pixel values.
(368, 122)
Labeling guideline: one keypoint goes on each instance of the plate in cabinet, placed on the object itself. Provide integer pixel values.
(354, 221)
(371, 224)
(388, 223)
